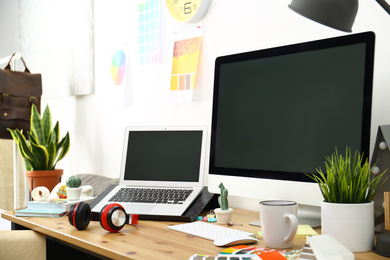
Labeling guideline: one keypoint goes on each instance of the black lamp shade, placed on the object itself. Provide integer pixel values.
(338, 14)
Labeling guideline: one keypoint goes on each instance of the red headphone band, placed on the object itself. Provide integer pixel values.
(80, 215)
(74, 214)
(103, 216)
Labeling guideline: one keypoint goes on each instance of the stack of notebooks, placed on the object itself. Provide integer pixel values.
(49, 208)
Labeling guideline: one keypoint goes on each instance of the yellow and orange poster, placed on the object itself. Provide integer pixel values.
(185, 61)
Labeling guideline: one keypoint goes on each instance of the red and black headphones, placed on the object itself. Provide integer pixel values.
(112, 217)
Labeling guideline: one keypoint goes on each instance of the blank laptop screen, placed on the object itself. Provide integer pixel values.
(172, 156)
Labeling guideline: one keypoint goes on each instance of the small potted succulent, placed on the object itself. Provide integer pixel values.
(223, 213)
(73, 189)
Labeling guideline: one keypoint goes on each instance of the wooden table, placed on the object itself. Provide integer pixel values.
(149, 240)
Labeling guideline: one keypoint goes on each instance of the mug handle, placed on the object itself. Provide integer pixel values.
(294, 227)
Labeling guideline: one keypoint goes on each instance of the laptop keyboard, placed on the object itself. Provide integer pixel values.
(151, 195)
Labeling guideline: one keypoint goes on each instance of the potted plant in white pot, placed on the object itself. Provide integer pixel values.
(347, 212)
(223, 213)
(73, 189)
(43, 150)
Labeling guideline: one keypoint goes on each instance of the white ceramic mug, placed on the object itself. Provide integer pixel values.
(279, 222)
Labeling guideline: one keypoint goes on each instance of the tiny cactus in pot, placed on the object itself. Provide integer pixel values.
(73, 182)
(222, 199)
(73, 189)
(224, 213)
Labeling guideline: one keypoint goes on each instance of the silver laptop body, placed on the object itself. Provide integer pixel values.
(166, 157)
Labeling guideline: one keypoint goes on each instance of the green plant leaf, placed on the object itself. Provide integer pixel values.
(14, 134)
(65, 146)
(55, 134)
(46, 123)
(23, 146)
(36, 126)
(31, 138)
(51, 148)
(42, 155)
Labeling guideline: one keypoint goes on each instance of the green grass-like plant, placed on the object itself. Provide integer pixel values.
(44, 149)
(347, 179)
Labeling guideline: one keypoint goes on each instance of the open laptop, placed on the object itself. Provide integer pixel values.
(167, 158)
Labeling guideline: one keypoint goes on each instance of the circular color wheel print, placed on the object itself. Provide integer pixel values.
(118, 67)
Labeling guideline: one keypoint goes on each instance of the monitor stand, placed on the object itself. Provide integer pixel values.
(307, 215)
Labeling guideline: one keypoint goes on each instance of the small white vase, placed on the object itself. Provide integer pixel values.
(223, 216)
(73, 193)
(350, 224)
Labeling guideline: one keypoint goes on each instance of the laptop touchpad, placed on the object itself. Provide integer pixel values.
(137, 209)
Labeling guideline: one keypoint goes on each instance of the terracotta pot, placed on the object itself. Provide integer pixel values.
(48, 179)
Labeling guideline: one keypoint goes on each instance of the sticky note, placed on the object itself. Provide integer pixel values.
(302, 232)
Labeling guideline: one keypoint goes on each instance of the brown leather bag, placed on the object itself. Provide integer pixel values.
(18, 91)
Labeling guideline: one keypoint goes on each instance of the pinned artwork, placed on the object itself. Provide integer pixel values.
(186, 51)
(149, 32)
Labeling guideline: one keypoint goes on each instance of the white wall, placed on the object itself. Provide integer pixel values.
(8, 28)
(230, 26)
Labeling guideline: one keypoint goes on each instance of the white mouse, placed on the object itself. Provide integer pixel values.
(235, 240)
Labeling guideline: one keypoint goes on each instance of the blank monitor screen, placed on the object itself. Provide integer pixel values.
(278, 112)
(172, 156)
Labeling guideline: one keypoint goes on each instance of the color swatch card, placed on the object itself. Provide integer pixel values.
(186, 51)
(149, 14)
(119, 93)
(244, 252)
(118, 67)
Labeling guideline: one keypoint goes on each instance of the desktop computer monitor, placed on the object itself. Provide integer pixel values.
(278, 112)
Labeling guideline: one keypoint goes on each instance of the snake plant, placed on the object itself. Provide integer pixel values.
(44, 149)
(348, 179)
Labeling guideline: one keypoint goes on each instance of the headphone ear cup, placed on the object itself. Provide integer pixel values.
(113, 217)
(79, 215)
(71, 214)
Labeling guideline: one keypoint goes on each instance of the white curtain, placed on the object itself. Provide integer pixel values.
(56, 40)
